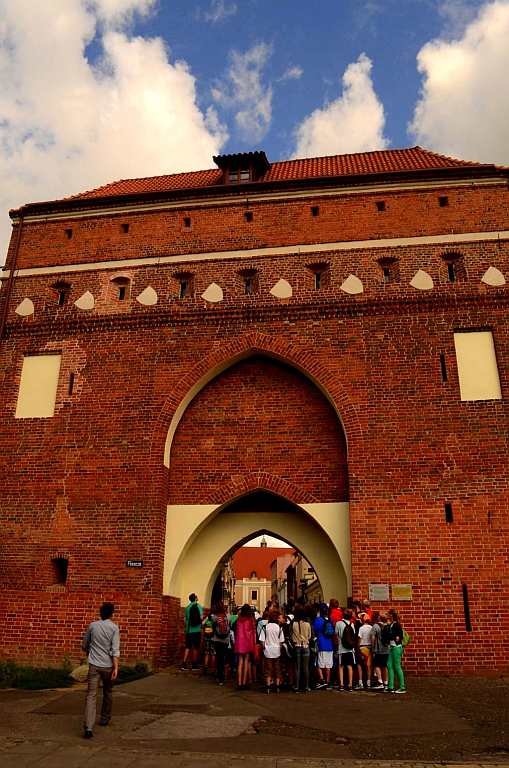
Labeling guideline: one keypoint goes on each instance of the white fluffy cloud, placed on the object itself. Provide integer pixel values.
(354, 122)
(219, 10)
(463, 109)
(244, 92)
(66, 125)
(292, 73)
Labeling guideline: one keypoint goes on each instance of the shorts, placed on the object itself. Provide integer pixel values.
(347, 659)
(271, 667)
(380, 660)
(366, 651)
(193, 640)
(210, 648)
(325, 659)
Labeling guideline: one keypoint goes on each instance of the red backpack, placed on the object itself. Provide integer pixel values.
(222, 626)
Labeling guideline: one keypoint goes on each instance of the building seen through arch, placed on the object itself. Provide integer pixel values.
(311, 349)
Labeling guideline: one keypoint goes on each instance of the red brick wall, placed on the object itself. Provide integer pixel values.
(223, 227)
(89, 483)
(258, 416)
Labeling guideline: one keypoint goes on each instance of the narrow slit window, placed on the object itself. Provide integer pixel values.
(248, 216)
(443, 201)
(68, 233)
(184, 289)
(249, 287)
(443, 368)
(125, 228)
(318, 280)
(466, 608)
(315, 211)
(187, 222)
(451, 272)
(71, 384)
(122, 290)
(387, 274)
(380, 205)
(448, 512)
(62, 296)
(254, 594)
(60, 566)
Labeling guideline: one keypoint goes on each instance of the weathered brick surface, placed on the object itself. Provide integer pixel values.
(89, 484)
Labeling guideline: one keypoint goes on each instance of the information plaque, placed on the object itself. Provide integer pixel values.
(378, 593)
(401, 591)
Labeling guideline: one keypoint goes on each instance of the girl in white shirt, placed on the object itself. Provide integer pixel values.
(272, 637)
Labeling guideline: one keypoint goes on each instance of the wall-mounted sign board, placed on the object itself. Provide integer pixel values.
(378, 593)
(401, 591)
(134, 563)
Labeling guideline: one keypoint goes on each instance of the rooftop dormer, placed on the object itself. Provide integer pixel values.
(242, 167)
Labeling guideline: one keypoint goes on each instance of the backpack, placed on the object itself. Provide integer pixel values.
(386, 635)
(348, 637)
(194, 616)
(208, 628)
(328, 629)
(222, 626)
(405, 639)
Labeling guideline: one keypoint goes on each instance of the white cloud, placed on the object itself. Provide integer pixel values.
(244, 92)
(354, 122)
(292, 73)
(463, 108)
(66, 125)
(219, 10)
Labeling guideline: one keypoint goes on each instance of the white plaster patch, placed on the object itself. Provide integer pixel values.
(493, 276)
(422, 281)
(352, 285)
(282, 289)
(148, 297)
(86, 301)
(213, 293)
(25, 309)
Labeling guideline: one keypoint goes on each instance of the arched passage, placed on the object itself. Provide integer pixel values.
(308, 528)
(259, 423)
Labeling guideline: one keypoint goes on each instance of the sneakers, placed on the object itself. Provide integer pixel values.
(400, 690)
(377, 687)
(87, 734)
(358, 687)
(318, 686)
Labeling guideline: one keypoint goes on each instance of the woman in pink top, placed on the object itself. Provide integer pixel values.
(245, 639)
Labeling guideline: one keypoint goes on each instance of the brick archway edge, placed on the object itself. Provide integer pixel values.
(222, 357)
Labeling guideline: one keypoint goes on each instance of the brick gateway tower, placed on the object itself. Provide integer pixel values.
(313, 348)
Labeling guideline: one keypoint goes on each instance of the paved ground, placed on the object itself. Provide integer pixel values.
(190, 721)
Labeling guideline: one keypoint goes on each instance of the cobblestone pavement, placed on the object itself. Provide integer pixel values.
(190, 721)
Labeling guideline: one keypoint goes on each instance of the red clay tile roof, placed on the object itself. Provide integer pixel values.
(259, 559)
(361, 163)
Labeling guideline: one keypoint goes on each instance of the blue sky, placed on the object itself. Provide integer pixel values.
(96, 90)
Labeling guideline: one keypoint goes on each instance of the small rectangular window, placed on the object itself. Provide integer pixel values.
(477, 366)
(68, 233)
(71, 384)
(187, 222)
(466, 608)
(38, 386)
(443, 201)
(125, 228)
(248, 216)
(387, 274)
(451, 272)
(244, 175)
(254, 594)
(249, 286)
(380, 205)
(122, 292)
(448, 512)
(60, 567)
(62, 295)
(315, 210)
(318, 280)
(184, 289)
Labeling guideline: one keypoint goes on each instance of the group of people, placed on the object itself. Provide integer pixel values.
(300, 646)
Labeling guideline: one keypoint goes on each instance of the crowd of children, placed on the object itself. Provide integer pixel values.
(300, 647)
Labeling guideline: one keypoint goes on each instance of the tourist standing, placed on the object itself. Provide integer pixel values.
(272, 636)
(245, 640)
(221, 639)
(381, 649)
(395, 653)
(301, 635)
(364, 665)
(192, 628)
(101, 642)
(324, 632)
(345, 631)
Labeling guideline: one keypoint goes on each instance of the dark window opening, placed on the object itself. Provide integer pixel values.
(71, 384)
(318, 280)
(315, 210)
(448, 512)
(62, 296)
(60, 567)
(120, 288)
(466, 608)
(125, 228)
(187, 222)
(386, 274)
(184, 289)
(122, 292)
(254, 594)
(443, 201)
(443, 368)
(380, 205)
(249, 286)
(248, 216)
(451, 272)
(239, 176)
(68, 232)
